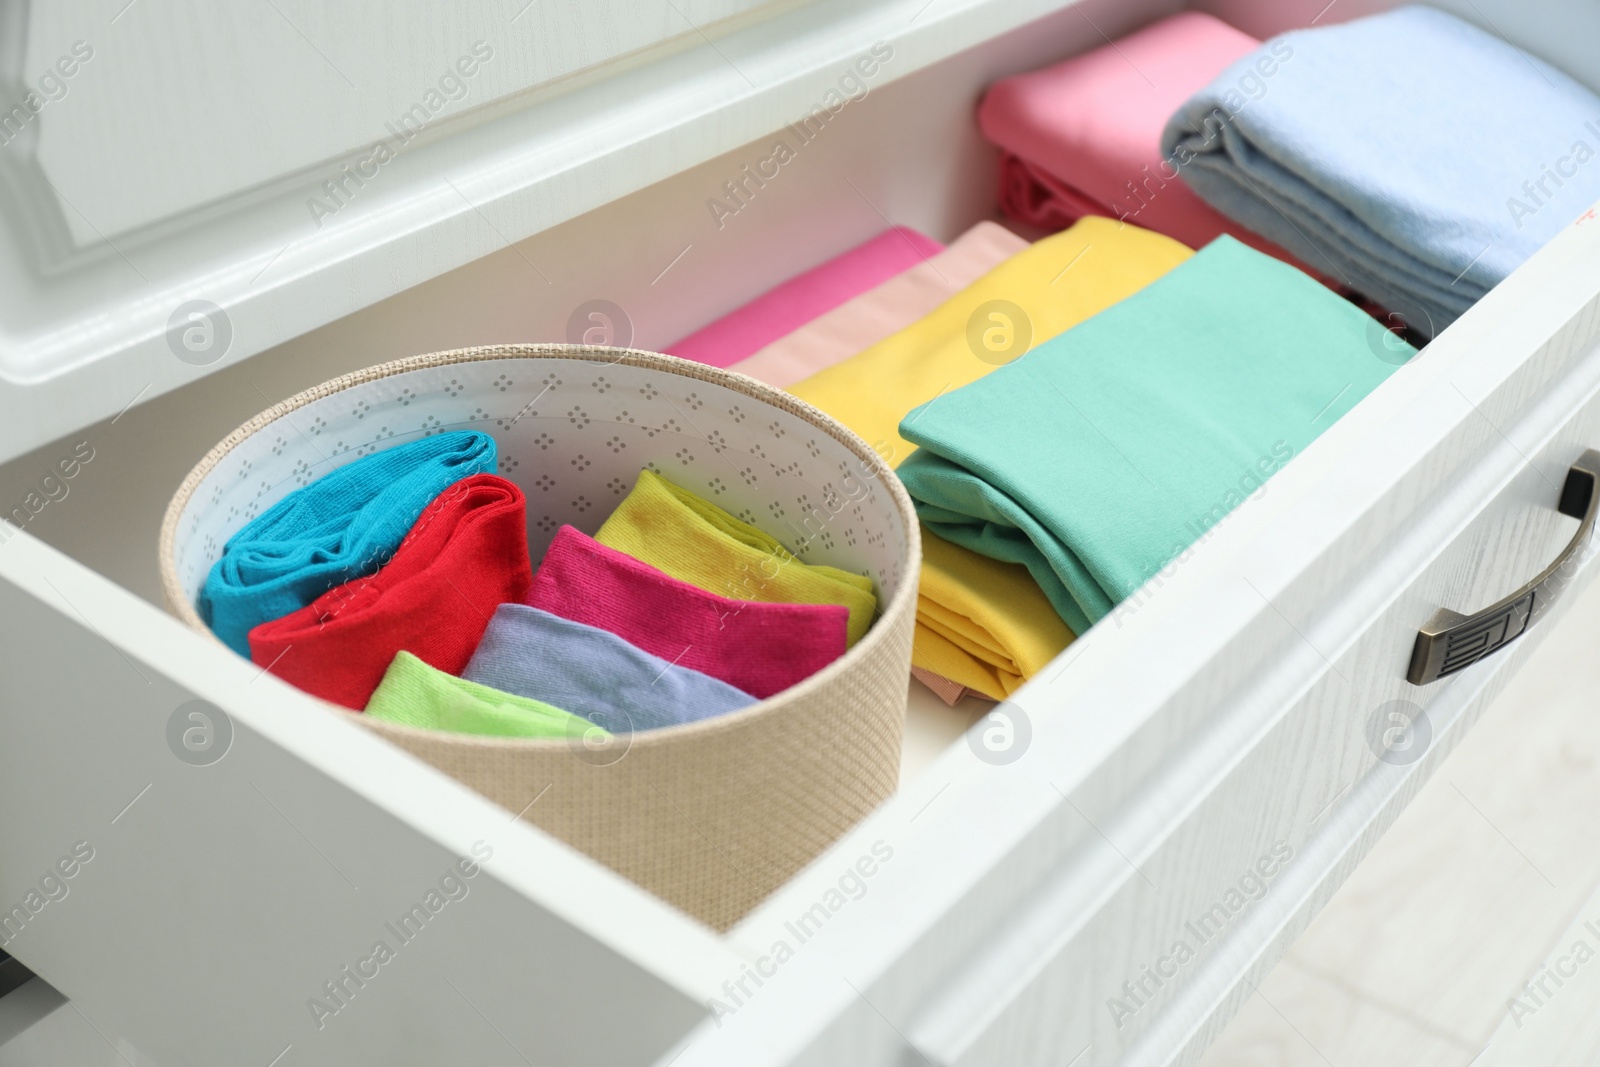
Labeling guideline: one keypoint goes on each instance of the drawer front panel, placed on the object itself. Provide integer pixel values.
(232, 906)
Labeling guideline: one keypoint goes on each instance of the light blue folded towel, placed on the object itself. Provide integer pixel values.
(344, 524)
(1410, 154)
(593, 673)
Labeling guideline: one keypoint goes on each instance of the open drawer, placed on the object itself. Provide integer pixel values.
(1201, 769)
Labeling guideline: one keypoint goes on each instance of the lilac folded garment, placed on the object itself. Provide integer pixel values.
(789, 306)
(1084, 137)
(590, 672)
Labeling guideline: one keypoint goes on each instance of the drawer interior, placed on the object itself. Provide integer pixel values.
(909, 153)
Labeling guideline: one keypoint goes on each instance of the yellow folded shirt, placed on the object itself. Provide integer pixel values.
(694, 541)
(978, 622)
(1056, 283)
(981, 622)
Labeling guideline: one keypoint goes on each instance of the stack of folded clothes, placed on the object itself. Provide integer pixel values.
(421, 610)
(1410, 154)
(1084, 137)
(1126, 438)
(984, 624)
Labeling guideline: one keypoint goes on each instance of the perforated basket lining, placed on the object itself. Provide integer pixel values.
(573, 434)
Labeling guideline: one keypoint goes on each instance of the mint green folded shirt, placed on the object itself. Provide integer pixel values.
(415, 694)
(1101, 455)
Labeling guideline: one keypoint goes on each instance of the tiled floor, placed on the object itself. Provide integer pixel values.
(1489, 875)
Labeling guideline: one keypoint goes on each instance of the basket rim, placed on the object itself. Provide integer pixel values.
(874, 466)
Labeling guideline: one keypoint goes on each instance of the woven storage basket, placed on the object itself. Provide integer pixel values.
(712, 816)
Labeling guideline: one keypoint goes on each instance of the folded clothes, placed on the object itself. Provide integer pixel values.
(1049, 286)
(978, 624)
(754, 646)
(786, 307)
(868, 319)
(346, 523)
(877, 313)
(1083, 137)
(693, 540)
(1125, 439)
(1410, 154)
(952, 693)
(415, 694)
(467, 553)
(982, 624)
(594, 673)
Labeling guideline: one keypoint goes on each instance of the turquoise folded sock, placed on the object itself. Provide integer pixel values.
(593, 673)
(345, 523)
(1100, 456)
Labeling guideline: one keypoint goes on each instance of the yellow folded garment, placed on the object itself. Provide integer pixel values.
(1055, 284)
(981, 622)
(694, 541)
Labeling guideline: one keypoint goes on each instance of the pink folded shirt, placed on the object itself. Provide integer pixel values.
(760, 648)
(785, 308)
(1084, 137)
(888, 308)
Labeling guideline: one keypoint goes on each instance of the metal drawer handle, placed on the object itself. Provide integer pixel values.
(1451, 641)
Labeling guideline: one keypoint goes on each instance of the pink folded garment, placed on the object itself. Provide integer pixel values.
(1084, 137)
(950, 692)
(760, 648)
(787, 307)
(886, 309)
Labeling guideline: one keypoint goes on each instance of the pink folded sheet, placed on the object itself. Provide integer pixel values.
(786, 307)
(888, 308)
(761, 648)
(1084, 137)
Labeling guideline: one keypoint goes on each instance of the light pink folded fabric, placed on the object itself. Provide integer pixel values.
(951, 693)
(785, 308)
(1084, 137)
(887, 309)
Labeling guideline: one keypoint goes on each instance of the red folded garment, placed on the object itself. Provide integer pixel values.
(757, 647)
(466, 554)
(785, 308)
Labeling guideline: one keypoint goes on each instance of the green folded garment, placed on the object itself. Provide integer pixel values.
(415, 694)
(1102, 455)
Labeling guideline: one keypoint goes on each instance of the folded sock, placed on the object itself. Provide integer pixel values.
(594, 673)
(467, 553)
(415, 694)
(797, 301)
(1394, 152)
(1083, 137)
(322, 535)
(695, 541)
(1126, 438)
(879, 312)
(978, 623)
(757, 647)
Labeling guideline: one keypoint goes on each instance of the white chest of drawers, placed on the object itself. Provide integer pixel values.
(1196, 771)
